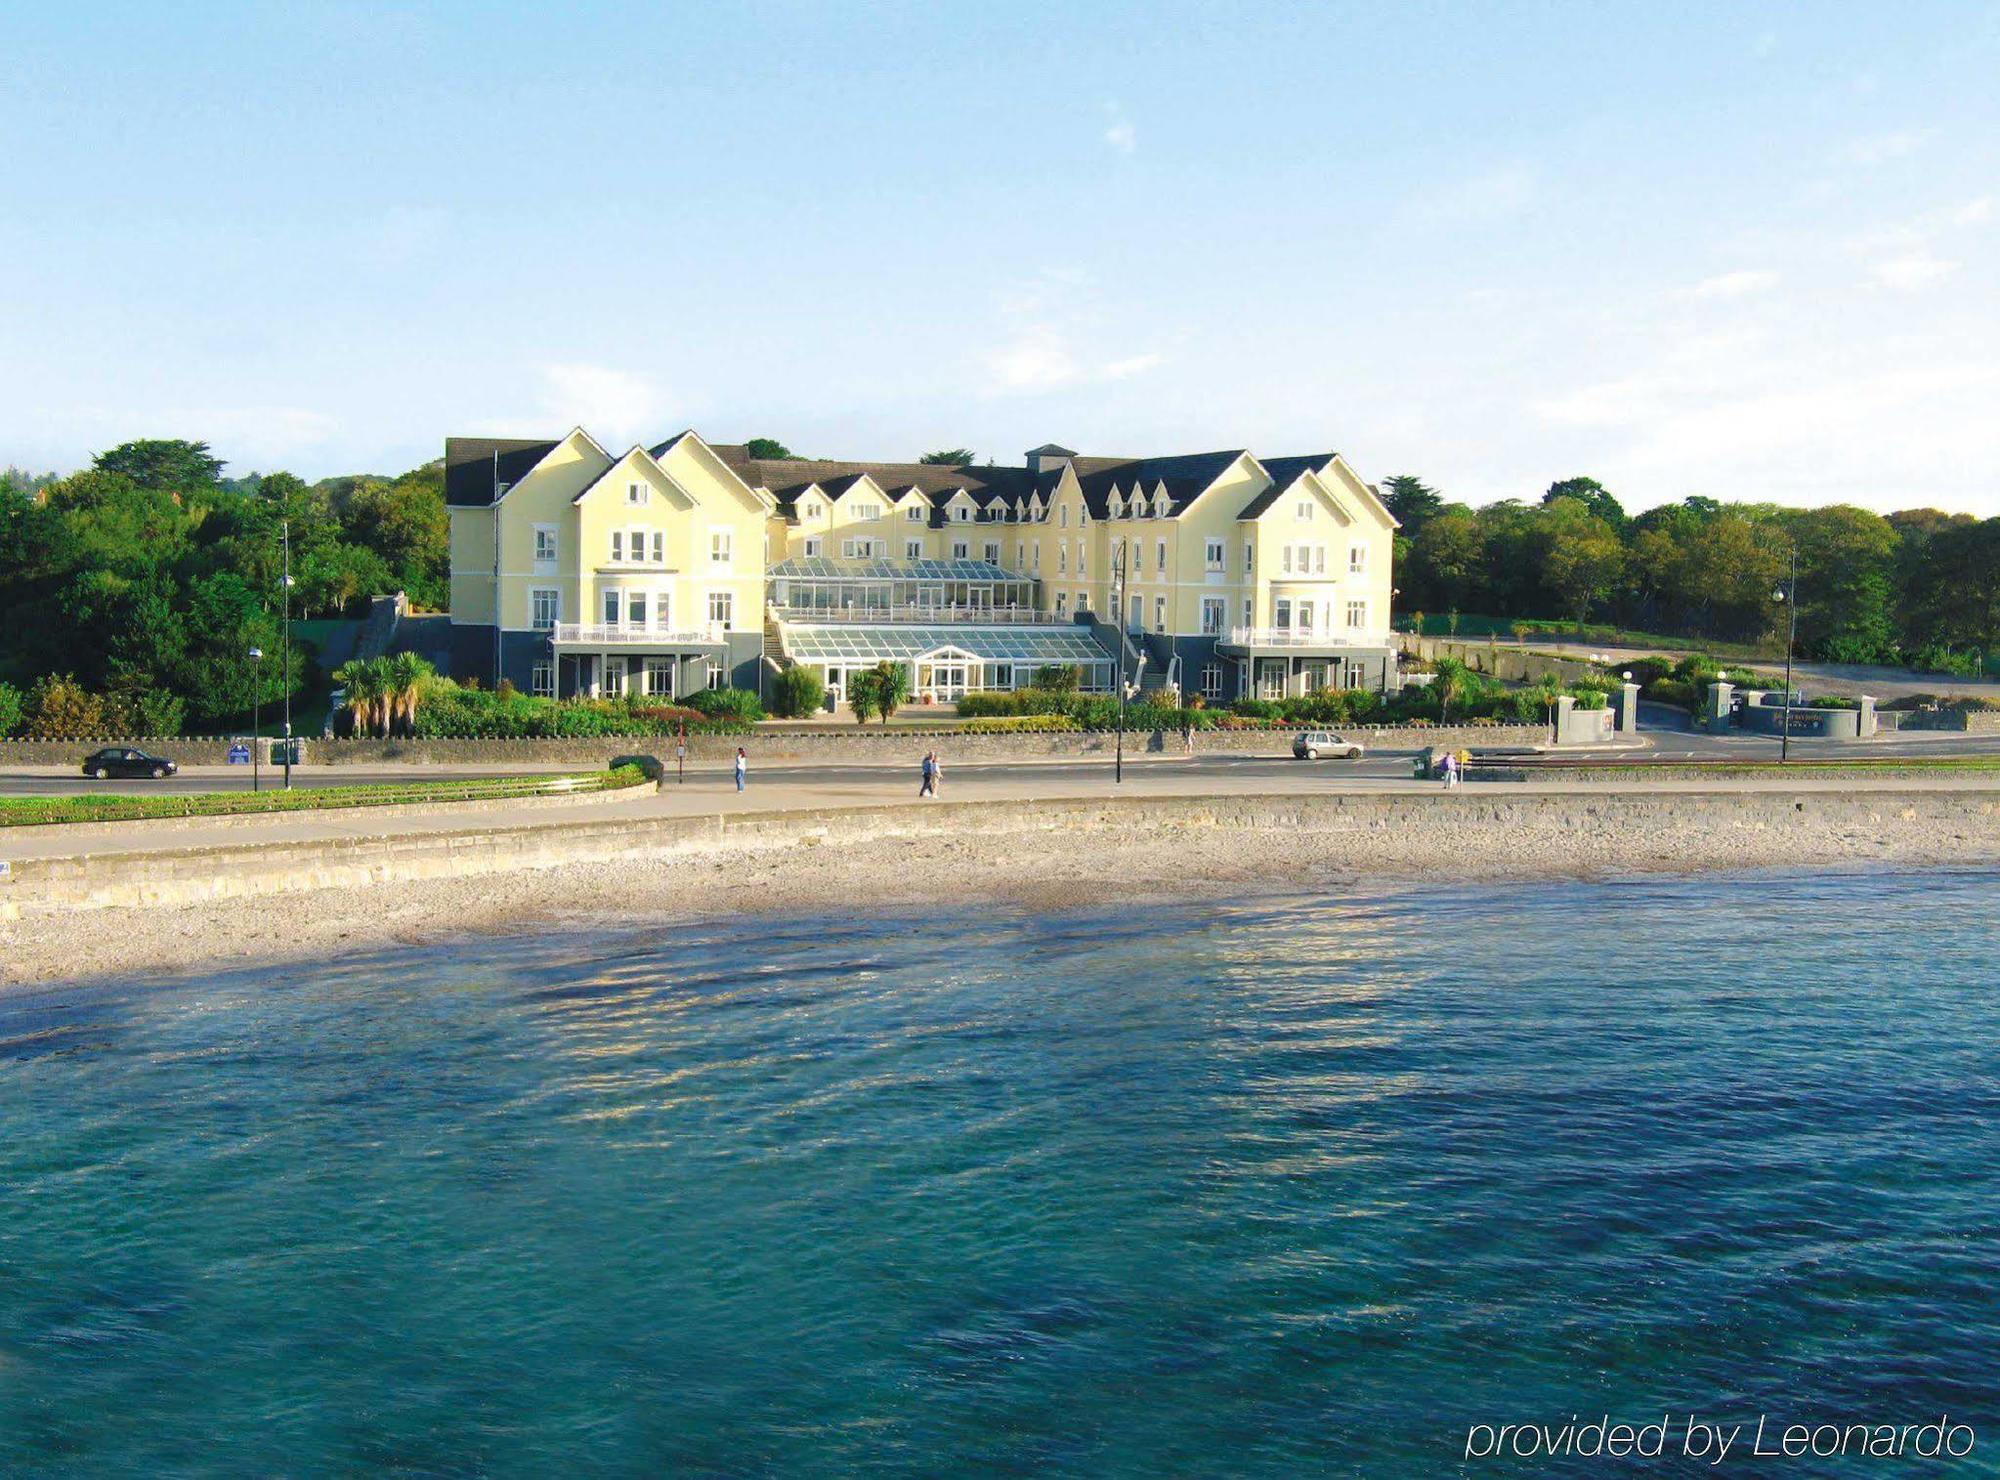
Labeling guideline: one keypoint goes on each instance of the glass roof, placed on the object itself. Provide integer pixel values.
(824, 568)
(872, 642)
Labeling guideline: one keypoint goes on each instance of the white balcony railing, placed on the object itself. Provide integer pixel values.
(580, 635)
(933, 615)
(1300, 637)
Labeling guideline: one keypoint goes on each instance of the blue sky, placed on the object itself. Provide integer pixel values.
(1742, 251)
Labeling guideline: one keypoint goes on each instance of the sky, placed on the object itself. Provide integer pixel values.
(1751, 252)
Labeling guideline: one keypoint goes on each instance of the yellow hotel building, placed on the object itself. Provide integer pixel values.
(577, 570)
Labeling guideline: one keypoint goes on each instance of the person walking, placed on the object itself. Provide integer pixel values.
(1450, 769)
(742, 762)
(929, 786)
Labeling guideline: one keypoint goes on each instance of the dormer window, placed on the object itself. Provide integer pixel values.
(914, 513)
(1305, 510)
(962, 513)
(636, 493)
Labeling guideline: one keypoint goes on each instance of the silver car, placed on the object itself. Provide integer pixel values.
(1310, 745)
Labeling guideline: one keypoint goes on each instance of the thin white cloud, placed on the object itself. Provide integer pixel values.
(1973, 212)
(613, 405)
(1132, 365)
(1119, 131)
(1036, 359)
(1739, 284)
(1503, 191)
(1912, 271)
(1881, 148)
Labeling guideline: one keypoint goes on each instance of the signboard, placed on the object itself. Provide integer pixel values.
(239, 754)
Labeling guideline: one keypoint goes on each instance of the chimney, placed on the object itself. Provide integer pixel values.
(1048, 458)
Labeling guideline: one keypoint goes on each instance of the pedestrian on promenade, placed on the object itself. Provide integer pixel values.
(1450, 769)
(742, 761)
(929, 786)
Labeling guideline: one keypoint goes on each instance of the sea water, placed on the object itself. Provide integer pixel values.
(1308, 1187)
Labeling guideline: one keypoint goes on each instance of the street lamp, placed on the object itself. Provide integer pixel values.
(256, 715)
(1789, 595)
(1118, 667)
(285, 601)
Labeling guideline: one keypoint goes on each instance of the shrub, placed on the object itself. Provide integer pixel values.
(1673, 691)
(987, 705)
(10, 709)
(1833, 701)
(1059, 678)
(726, 703)
(60, 708)
(797, 692)
(1587, 697)
(504, 689)
(1008, 724)
(1257, 709)
(1647, 671)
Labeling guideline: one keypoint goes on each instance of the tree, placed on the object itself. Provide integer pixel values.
(767, 447)
(1592, 495)
(1412, 501)
(10, 709)
(797, 692)
(405, 677)
(169, 465)
(892, 688)
(950, 457)
(1445, 564)
(863, 688)
(1582, 560)
(60, 708)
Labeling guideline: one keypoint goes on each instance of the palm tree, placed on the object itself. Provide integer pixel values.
(892, 688)
(354, 680)
(407, 676)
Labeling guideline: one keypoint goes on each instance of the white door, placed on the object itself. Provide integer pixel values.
(614, 677)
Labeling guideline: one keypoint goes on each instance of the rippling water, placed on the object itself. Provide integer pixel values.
(1264, 1189)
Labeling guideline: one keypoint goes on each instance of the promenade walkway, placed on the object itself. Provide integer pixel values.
(710, 790)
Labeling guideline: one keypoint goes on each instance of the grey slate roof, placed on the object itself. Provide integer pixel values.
(1284, 473)
(474, 465)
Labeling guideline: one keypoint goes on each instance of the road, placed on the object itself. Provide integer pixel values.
(1850, 679)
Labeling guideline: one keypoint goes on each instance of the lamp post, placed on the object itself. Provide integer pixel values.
(256, 716)
(1789, 594)
(1118, 626)
(285, 622)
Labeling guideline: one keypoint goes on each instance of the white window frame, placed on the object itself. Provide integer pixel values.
(1249, 557)
(1062, 603)
(960, 550)
(913, 549)
(1249, 611)
(864, 513)
(1160, 557)
(535, 595)
(713, 674)
(638, 608)
(722, 610)
(1305, 616)
(1281, 614)
(1159, 613)
(659, 678)
(914, 513)
(1211, 680)
(637, 493)
(992, 548)
(1287, 566)
(611, 605)
(659, 547)
(1357, 616)
(721, 546)
(1214, 552)
(1305, 511)
(961, 513)
(1214, 612)
(812, 545)
(1319, 560)
(547, 545)
(542, 679)
(1357, 560)
(617, 547)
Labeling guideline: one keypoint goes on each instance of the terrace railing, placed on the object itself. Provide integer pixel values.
(581, 634)
(926, 615)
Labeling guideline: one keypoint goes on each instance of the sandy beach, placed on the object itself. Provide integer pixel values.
(1037, 869)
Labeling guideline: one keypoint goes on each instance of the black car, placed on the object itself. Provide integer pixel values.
(117, 760)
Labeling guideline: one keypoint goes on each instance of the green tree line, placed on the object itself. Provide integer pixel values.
(148, 577)
(1919, 586)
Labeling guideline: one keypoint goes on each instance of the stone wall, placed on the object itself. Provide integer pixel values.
(1508, 664)
(829, 744)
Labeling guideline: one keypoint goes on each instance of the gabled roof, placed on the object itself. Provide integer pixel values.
(1284, 471)
(788, 477)
(475, 466)
(1186, 477)
(1049, 449)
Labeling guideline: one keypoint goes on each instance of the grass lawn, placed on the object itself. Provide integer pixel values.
(33, 811)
